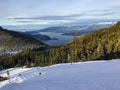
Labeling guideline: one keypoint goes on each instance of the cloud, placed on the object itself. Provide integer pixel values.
(65, 17)
(4, 12)
(24, 21)
(5, 9)
(115, 9)
(89, 14)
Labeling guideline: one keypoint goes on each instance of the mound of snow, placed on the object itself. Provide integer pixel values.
(94, 75)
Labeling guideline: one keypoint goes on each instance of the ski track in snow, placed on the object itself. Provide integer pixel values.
(92, 75)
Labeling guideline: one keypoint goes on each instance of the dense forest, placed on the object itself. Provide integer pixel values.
(11, 41)
(102, 44)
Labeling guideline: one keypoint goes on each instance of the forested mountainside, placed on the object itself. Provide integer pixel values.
(102, 44)
(11, 41)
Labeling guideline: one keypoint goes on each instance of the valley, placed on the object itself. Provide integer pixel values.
(60, 45)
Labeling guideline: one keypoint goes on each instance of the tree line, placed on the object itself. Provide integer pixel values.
(102, 44)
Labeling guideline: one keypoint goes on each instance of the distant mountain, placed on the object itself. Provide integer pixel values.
(69, 30)
(37, 36)
(61, 29)
(40, 37)
(11, 41)
(89, 29)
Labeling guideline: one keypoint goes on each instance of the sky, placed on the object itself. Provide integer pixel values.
(50, 12)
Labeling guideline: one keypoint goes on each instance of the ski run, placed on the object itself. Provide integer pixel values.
(92, 75)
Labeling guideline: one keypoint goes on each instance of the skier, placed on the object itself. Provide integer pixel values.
(40, 73)
(8, 73)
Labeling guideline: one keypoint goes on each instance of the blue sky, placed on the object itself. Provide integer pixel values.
(46, 12)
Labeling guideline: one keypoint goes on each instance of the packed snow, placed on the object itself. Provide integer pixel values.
(93, 75)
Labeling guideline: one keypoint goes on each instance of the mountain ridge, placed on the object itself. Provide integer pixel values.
(11, 41)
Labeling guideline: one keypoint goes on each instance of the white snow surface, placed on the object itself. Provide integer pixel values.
(92, 75)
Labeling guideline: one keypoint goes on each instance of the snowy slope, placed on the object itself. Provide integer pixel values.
(94, 75)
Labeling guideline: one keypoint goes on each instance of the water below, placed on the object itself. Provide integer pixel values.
(62, 39)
